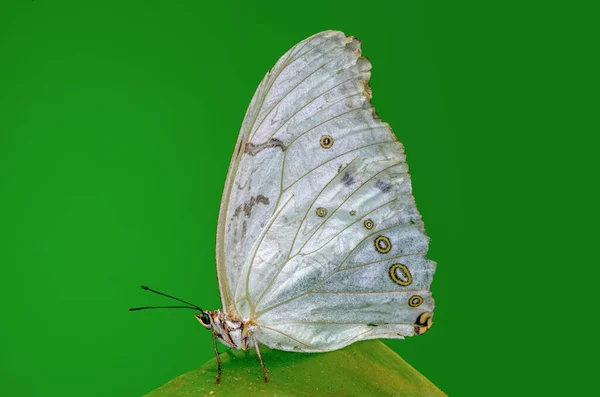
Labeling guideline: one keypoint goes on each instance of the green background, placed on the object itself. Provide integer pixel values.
(117, 123)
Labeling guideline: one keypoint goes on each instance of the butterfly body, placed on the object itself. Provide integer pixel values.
(231, 331)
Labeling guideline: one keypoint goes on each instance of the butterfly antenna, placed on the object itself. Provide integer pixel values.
(161, 307)
(191, 305)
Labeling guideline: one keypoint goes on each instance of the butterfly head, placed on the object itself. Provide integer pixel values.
(228, 330)
(205, 319)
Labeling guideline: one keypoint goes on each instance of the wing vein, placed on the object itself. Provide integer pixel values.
(338, 269)
(283, 333)
(314, 99)
(289, 258)
(320, 124)
(335, 158)
(291, 90)
(264, 233)
(335, 322)
(275, 77)
(296, 57)
(342, 203)
(367, 292)
(341, 231)
(281, 269)
(369, 236)
(295, 236)
(377, 262)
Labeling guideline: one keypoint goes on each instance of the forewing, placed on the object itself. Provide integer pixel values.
(320, 241)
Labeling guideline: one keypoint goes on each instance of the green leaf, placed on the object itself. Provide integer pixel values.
(366, 368)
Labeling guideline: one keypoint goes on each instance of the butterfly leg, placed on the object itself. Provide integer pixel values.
(218, 358)
(262, 364)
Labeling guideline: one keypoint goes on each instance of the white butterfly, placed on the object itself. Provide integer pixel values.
(319, 242)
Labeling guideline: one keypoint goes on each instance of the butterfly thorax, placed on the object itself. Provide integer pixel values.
(230, 330)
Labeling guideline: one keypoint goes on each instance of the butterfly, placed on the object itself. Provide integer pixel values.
(319, 240)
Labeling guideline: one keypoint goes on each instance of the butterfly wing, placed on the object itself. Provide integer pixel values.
(320, 242)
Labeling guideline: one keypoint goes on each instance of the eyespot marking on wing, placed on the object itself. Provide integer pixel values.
(401, 275)
(415, 301)
(383, 244)
(321, 212)
(353, 212)
(423, 323)
(426, 319)
(326, 141)
(368, 224)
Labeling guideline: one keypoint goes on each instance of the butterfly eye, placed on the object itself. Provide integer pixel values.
(205, 318)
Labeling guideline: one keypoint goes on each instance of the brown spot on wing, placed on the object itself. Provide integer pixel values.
(383, 186)
(253, 149)
(348, 179)
(246, 184)
(247, 206)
